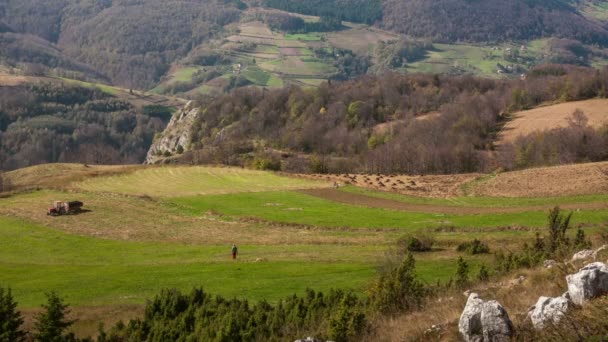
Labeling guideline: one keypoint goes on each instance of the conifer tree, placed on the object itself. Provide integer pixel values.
(10, 318)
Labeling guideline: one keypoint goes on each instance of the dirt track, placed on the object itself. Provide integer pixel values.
(374, 202)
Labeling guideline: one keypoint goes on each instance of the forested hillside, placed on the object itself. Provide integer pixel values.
(394, 123)
(130, 41)
(461, 20)
(47, 123)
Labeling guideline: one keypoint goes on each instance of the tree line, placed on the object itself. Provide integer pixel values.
(415, 124)
(131, 42)
(360, 11)
(45, 123)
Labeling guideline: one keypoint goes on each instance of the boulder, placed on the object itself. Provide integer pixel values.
(549, 311)
(589, 282)
(582, 255)
(484, 321)
(495, 322)
(469, 325)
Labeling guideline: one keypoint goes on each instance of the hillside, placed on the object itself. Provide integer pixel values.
(490, 21)
(50, 119)
(554, 116)
(151, 228)
(130, 42)
(202, 47)
(336, 127)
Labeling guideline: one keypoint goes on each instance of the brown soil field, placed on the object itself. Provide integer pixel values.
(566, 180)
(336, 195)
(290, 51)
(554, 116)
(256, 28)
(436, 186)
(358, 39)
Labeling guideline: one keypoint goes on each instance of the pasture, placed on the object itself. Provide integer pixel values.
(553, 116)
(148, 228)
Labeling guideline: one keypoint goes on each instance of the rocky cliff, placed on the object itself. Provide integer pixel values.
(175, 139)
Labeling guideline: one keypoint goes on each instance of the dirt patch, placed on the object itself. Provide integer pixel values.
(435, 186)
(555, 116)
(336, 195)
(290, 51)
(361, 40)
(566, 180)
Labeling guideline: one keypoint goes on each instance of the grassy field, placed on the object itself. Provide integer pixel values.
(127, 246)
(184, 181)
(481, 201)
(292, 207)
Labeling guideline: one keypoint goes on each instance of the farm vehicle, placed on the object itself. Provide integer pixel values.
(65, 208)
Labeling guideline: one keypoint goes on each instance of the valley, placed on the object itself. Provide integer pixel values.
(148, 228)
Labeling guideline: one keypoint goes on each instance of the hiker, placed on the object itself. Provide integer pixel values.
(235, 251)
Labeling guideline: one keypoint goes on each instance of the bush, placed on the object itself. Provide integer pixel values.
(266, 164)
(420, 243)
(10, 318)
(398, 290)
(473, 247)
(462, 273)
(52, 322)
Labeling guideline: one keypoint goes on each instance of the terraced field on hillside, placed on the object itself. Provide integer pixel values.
(148, 228)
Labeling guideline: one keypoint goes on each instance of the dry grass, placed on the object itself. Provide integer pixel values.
(88, 318)
(132, 218)
(548, 117)
(60, 175)
(445, 309)
(566, 180)
(178, 181)
(361, 40)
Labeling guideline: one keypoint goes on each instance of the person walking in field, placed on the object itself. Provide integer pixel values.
(235, 251)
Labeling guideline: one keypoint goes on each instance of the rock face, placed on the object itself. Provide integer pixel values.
(549, 311)
(176, 137)
(590, 281)
(484, 321)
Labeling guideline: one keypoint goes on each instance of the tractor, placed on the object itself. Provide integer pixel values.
(64, 208)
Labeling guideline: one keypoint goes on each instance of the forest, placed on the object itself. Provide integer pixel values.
(359, 11)
(490, 20)
(48, 123)
(390, 124)
(138, 42)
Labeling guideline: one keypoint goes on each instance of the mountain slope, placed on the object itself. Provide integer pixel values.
(490, 20)
(132, 42)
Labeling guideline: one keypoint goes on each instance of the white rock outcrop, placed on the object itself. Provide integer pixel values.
(589, 282)
(549, 311)
(176, 137)
(484, 321)
(582, 255)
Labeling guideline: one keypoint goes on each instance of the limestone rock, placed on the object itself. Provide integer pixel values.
(484, 321)
(589, 282)
(582, 255)
(176, 137)
(495, 322)
(549, 311)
